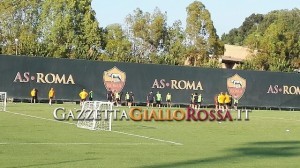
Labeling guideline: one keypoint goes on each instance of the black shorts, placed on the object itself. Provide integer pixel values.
(157, 102)
(168, 101)
(150, 101)
(50, 97)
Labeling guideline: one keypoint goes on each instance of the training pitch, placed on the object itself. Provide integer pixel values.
(31, 138)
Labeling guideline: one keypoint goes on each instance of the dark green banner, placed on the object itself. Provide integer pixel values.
(19, 74)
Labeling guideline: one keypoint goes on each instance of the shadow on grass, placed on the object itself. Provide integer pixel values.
(270, 149)
(146, 127)
(54, 163)
(254, 149)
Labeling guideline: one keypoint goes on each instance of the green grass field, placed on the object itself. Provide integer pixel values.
(30, 137)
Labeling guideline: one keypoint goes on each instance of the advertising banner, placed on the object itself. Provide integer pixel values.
(20, 74)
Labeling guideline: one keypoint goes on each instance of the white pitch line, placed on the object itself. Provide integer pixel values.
(31, 116)
(70, 143)
(141, 136)
(119, 132)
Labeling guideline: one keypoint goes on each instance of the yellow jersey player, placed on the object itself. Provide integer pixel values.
(51, 95)
(34, 93)
(221, 101)
(83, 95)
(227, 100)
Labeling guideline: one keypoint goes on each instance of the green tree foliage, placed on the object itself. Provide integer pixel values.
(146, 32)
(275, 37)
(19, 26)
(247, 65)
(50, 28)
(201, 37)
(69, 29)
(174, 45)
(277, 41)
(118, 47)
(237, 36)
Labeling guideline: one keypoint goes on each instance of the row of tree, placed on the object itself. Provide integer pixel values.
(275, 38)
(69, 29)
(49, 28)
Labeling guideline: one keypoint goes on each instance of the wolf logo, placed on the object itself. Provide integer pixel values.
(236, 86)
(114, 79)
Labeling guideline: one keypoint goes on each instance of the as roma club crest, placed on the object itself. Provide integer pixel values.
(114, 79)
(236, 86)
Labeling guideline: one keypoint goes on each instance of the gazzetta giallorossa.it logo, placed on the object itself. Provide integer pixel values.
(188, 114)
(145, 114)
(114, 79)
(236, 86)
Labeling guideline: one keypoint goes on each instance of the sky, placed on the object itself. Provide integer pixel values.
(225, 14)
